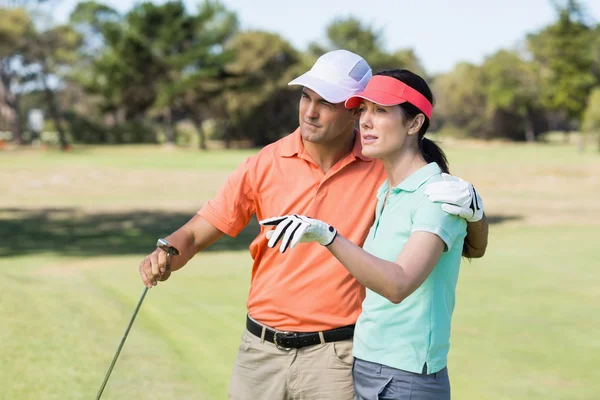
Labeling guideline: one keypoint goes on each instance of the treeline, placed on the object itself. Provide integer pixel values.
(163, 73)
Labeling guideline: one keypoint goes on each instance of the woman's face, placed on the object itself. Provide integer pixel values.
(384, 130)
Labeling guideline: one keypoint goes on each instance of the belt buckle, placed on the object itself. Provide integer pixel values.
(277, 344)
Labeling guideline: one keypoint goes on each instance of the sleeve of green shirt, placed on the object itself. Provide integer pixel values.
(429, 217)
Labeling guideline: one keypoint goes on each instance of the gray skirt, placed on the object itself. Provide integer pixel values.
(378, 382)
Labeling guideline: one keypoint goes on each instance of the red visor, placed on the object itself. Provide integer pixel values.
(388, 91)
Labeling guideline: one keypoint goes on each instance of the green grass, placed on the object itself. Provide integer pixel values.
(526, 321)
(137, 157)
(525, 316)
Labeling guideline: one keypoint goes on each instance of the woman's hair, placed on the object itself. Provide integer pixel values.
(431, 151)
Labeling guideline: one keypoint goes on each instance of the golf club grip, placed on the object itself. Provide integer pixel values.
(114, 361)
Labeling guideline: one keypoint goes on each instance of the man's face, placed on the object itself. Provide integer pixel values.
(322, 121)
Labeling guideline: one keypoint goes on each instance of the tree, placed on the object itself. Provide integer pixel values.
(197, 62)
(461, 102)
(257, 102)
(157, 58)
(51, 52)
(595, 48)
(353, 35)
(16, 28)
(591, 116)
(118, 72)
(117, 64)
(511, 85)
(563, 58)
(18, 37)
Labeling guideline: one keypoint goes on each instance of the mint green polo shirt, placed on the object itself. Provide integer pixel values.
(415, 332)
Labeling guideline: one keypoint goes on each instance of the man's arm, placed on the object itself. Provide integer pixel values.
(196, 235)
(227, 213)
(477, 238)
(460, 198)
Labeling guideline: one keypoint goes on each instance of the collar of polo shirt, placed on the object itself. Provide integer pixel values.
(413, 182)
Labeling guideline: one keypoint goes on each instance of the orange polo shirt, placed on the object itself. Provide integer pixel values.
(305, 289)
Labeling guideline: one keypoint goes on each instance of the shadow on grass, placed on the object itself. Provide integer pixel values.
(499, 219)
(71, 232)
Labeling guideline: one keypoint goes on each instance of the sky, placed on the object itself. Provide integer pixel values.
(442, 32)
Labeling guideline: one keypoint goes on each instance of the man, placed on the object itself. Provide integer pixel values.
(302, 307)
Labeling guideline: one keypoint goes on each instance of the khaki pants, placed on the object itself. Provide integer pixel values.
(319, 372)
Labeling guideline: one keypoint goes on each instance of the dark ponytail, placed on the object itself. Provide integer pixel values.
(431, 152)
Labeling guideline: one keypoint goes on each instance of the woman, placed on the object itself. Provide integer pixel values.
(410, 261)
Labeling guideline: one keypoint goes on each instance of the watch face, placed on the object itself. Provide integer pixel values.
(162, 242)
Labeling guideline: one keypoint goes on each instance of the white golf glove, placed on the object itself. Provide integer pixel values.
(292, 229)
(459, 196)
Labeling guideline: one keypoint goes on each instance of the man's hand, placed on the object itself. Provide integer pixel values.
(459, 196)
(291, 229)
(155, 267)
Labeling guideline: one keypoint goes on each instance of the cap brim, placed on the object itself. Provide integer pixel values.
(375, 96)
(332, 93)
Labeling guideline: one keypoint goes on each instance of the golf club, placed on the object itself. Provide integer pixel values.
(171, 251)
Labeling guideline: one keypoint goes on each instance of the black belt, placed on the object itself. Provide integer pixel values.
(295, 340)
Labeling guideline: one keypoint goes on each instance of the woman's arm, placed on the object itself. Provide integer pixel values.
(393, 280)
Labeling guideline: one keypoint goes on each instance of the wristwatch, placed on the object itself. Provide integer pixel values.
(164, 245)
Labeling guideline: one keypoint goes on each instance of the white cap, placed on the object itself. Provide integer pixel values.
(336, 76)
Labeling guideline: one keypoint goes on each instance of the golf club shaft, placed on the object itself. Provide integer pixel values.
(112, 364)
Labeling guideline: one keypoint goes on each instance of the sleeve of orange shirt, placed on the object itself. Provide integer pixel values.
(233, 206)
